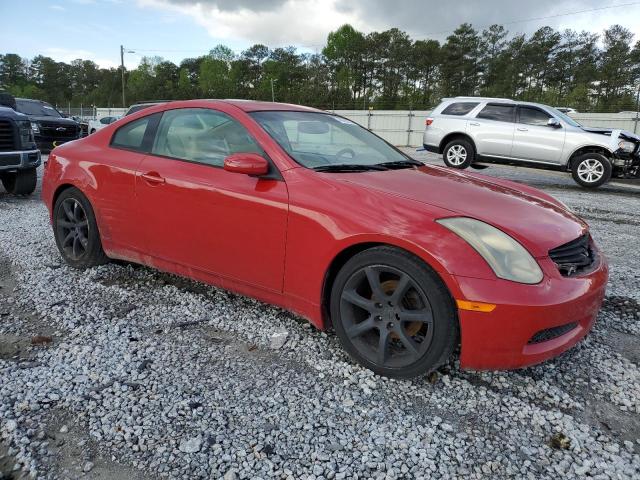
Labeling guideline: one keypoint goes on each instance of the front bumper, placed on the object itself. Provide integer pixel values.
(521, 331)
(19, 160)
(46, 144)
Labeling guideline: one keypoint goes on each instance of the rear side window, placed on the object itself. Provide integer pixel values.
(533, 116)
(500, 112)
(459, 108)
(131, 135)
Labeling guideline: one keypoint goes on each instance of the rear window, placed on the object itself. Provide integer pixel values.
(500, 112)
(131, 135)
(459, 108)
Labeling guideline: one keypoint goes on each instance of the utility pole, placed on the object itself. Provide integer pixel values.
(273, 95)
(122, 67)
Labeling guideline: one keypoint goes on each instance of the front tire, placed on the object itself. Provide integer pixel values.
(393, 314)
(22, 182)
(591, 170)
(76, 231)
(458, 153)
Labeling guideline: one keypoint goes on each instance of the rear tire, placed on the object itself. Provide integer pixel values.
(459, 153)
(393, 314)
(22, 182)
(591, 170)
(76, 231)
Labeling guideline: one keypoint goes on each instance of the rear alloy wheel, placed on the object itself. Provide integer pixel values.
(458, 153)
(393, 314)
(76, 231)
(22, 182)
(591, 170)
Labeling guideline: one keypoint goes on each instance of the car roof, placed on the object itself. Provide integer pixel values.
(257, 105)
(245, 105)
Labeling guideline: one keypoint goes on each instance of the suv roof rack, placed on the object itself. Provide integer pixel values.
(493, 99)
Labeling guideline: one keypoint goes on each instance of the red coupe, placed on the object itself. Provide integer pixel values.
(309, 211)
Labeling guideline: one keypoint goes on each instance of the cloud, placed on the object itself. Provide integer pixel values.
(431, 19)
(307, 22)
(60, 8)
(67, 55)
(274, 22)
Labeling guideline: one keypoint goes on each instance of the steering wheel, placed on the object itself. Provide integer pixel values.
(344, 151)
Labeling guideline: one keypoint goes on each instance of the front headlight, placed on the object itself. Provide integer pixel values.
(35, 127)
(625, 146)
(508, 259)
(26, 135)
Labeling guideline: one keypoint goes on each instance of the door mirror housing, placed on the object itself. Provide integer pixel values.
(554, 123)
(248, 163)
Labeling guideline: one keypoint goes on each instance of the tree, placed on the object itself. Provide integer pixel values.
(460, 70)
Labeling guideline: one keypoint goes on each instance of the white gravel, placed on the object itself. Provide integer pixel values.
(171, 378)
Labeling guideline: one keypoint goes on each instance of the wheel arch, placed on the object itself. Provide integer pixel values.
(348, 252)
(58, 191)
(588, 149)
(452, 136)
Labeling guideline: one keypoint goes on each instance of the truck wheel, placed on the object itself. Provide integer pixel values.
(22, 182)
(591, 170)
(93, 130)
(458, 153)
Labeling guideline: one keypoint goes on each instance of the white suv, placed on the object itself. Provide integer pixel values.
(492, 130)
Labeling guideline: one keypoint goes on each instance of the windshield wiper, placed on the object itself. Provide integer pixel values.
(401, 164)
(349, 167)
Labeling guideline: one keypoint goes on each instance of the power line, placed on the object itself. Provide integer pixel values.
(547, 17)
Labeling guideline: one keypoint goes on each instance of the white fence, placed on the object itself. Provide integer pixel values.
(405, 128)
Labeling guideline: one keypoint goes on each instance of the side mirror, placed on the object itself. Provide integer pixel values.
(554, 123)
(247, 163)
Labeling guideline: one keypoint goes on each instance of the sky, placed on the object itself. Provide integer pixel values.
(177, 29)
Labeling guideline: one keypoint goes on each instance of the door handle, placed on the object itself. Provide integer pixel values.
(522, 129)
(153, 177)
(475, 124)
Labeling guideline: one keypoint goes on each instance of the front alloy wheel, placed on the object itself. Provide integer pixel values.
(392, 313)
(591, 170)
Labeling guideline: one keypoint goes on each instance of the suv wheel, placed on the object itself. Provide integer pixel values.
(22, 182)
(591, 170)
(458, 153)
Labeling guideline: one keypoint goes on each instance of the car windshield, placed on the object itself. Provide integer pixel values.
(40, 109)
(565, 118)
(324, 142)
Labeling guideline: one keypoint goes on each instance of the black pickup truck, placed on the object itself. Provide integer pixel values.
(19, 155)
(50, 127)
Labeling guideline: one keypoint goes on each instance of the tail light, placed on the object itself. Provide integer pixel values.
(428, 121)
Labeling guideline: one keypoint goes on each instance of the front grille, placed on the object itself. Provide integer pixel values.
(553, 332)
(573, 257)
(57, 131)
(7, 136)
(12, 160)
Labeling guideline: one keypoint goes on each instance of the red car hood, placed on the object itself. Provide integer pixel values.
(524, 213)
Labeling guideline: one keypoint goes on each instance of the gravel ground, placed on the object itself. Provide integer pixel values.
(122, 372)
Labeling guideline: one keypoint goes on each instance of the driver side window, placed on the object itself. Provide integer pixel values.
(201, 135)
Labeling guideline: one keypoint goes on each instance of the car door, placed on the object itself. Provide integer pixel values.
(201, 216)
(114, 170)
(492, 129)
(534, 139)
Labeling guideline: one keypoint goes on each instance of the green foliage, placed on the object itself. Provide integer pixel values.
(380, 70)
